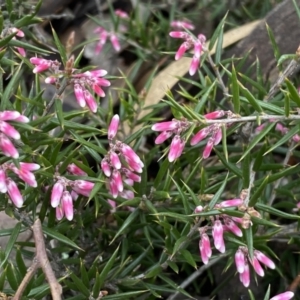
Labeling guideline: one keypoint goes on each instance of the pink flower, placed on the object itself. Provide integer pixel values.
(75, 170)
(103, 35)
(120, 164)
(113, 127)
(121, 13)
(205, 249)
(245, 276)
(14, 193)
(190, 41)
(217, 234)
(231, 203)
(67, 205)
(284, 296)
(240, 261)
(176, 148)
(19, 33)
(182, 24)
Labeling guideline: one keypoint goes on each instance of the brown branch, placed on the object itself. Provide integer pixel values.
(40, 261)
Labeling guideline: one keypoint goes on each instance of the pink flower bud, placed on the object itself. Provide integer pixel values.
(182, 25)
(163, 137)
(95, 73)
(182, 49)
(130, 154)
(231, 226)
(217, 136)
(9, 115)
(84, 185)
(50, 80)
(165, 126)
(296, 138)
(214, 115)
(176, 148)
(264, 259)
(21, 51)
(78, 91)
(205, 249)
(179, 34)
(115, 42)
(59, 213)
(194, 65)
(116, 176)
(75, 170)
(56, 193)
(105, 167)
(113, 188)
(217, 234)
(7, 147)
(127, 194)
(90, 101)
(208, 148)
(9, 130)
(245, 276)
(121, 13)
(3, 186)
(240, 261)
(131, 175)
(200, 135)
(284, 296)
(113, 127)
(198, 209)
(115, 161)
(26, 176)
(67, 205)
(257, 267)
(14, 193)
(231, 203)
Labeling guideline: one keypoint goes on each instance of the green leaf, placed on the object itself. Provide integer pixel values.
(249, 240)
(218, 194)
(267, 295)
(4, 41)
(60, 47)
(217, 33)
(126, 224)
(273, 42)
(11, 242)
(188, 257)
(12, 277)
(183, 198)
(255, 196)
(273, 211)
(9, 6)
(287, 107)
(80, 285)
(59, 112)
(285, 57)
(163, 170)
(230, 166)
(29, 19)
(173, 266)
(284, 139)
(178, 217)
(293, 92)
(58, 236)
(257, 139)
(251, 99)
(235, 91)
(153, 271)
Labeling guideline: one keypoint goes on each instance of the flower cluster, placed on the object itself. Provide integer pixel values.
(8, 185)
(242, 258)
(190, 41)
(174, 127)
(220, 224)
(112, 35)
(177, 127)
(120, 164)
(186, 24)
(62, 198)
(82, 82)
(8, 132)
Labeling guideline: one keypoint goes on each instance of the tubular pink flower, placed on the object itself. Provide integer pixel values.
(95, 73)
(42, 67)
(240, 261)
(296, 138)
(115, 42)
(165, 126)
(179, 34)
(257, 267)
(181, 51)
(14, 193)
(217, 233)
(214, 115)
(90, 101)
(67, 205)
(29, 166)
(75, 170)
(208, 148)
(176, 148)
(163, 137)
(7, 147)
(113, 188)
(3, 186)
(182, 25)
(127, 194)
(198, 48)
(245, 276)
(97, 89)
(231, 203)
(105, 167)
(117, 178)
(59, 213)
(19, 32)
(194, 65)
(121, 13)
(56, 194)
(9, 130)
(8, 115)
(264, 259)
(129, 153)
(84, 185)
(200, 135)
(26, 176)
(198, 209)
(205, 248)
(231, 226)
(129, 181)
(131, 175)
(22, 119)
(50, 80)
(283, 296)
(113, 127)
(21, 51)
(102, 81)
(115, 161)
(79, 94)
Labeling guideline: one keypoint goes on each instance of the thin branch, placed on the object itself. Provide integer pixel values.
(196, 274)
(251, 181)
(40, 261)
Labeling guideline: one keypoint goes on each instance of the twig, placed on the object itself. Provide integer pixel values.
(40, 261)
(252, 178)
(194, 275)
(278, 182)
